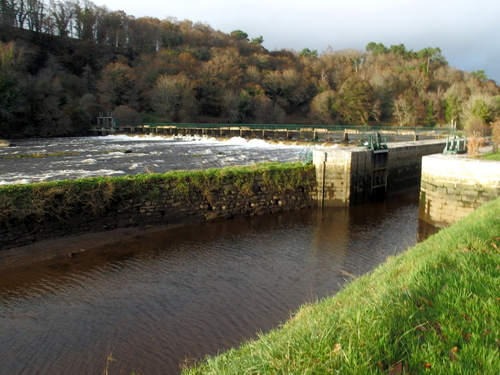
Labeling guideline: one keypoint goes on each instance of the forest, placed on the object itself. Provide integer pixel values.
(64, 62)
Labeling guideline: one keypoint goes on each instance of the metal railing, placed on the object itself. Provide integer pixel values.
(294, 127)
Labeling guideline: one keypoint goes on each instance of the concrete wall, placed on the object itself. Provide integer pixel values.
(221, 204)
(344, 173)
(405, 162)
(453, 186)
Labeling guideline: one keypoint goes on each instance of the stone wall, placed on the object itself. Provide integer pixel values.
(453, 186)
(344, 174)
(223, 203)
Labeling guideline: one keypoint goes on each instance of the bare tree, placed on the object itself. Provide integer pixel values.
(173, 98)
(62, 14)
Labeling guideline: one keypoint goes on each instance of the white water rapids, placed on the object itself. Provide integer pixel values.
(119, 155)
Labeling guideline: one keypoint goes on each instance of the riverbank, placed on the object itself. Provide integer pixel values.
(434, 309)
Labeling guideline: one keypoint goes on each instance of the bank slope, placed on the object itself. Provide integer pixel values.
(433, 310)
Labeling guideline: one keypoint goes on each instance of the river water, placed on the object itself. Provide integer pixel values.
(158, 299)
(70, 158)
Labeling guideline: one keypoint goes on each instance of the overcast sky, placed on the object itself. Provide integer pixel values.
(465, 30)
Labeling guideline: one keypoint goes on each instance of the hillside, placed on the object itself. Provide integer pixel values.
(65, 63)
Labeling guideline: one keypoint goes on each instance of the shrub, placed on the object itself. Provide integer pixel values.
(474, 143)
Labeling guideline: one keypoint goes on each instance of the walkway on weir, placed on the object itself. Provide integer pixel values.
(277, 131)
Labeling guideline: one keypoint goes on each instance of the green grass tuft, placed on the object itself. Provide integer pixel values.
(491, 156)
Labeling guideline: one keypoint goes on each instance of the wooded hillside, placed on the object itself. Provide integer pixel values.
(64, 62)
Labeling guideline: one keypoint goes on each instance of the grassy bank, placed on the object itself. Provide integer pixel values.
(63, 199)
(491, 156)
(432, 310)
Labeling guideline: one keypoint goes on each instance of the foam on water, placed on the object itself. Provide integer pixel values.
(261, 143)
(123, 154)
(123, 137)
(15, 182)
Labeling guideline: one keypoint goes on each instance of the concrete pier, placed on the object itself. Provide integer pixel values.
(353, 175)
(453, 186)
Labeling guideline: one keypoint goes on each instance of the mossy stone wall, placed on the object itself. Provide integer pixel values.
(41, 211)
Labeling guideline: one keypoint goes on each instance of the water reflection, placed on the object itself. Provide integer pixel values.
(158, 298)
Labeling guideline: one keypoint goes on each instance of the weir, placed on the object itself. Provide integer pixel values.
(314, 133)
(354, 175)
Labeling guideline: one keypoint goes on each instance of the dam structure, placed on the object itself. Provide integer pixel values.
(287, 132)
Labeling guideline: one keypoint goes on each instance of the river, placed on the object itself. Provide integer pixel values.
(160, 298)
(49, 159)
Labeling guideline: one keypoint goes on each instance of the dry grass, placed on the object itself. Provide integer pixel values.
(474, 143)
(475, 125)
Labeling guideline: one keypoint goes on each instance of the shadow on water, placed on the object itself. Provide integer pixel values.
(160, 297)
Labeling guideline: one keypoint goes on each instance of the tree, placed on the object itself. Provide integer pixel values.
(116, 85)
(21, 10)
(240, 35)
(85, 20)
(325, 108)
(259, 40)
(173, 98)
(478, 111)
(267, 112)
(452, 107)
(400, 50)
(431, 55)
(238, 107)
(36, 15)
(49, 103)
(404, 110)
(356, 99)
(306, 52)
(12, 90)
(8, 12)
(90, 106)
(126, 115)
(272, 83)
(62, 15)
(376, 49)
(454, 96)
(480, 75)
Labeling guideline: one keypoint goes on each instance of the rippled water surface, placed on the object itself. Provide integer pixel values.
(70, 158)
(160, 298)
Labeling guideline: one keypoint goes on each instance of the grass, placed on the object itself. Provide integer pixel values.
(491, 156)
(433, 310)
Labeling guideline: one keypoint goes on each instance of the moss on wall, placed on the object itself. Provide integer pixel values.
(74, 206)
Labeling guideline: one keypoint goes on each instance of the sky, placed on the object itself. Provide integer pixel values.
(465, 30)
